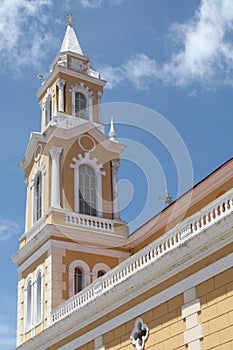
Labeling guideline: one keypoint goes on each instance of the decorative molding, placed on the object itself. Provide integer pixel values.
(70, 73)
(61, 84)
(164, 252)
(99, 267)
(89, 222)
(88, 95)
(40, 167)
(190, 310)
(82, 138)
(139, 334)
(86, 278)
(76, 64)
(93, 164)
(53, 334)
(55, 153)
(115, 192)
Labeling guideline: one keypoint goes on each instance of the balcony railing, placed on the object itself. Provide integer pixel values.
(191, 226)
(91, 222)
(36, 228)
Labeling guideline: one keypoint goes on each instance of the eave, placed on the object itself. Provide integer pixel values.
(71, 73)
(66, 134)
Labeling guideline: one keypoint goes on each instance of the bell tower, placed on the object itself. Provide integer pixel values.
(73, 231)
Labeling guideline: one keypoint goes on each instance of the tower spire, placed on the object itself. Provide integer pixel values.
(70, 42)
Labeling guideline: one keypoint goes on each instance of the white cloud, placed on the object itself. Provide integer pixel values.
(206, 50)
(91, 3)
(99, 3)
(139, 70)
(24, 40)
(205, 54)
(8, 229)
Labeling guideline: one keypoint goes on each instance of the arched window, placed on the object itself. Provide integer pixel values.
(80, 106)
(28, 305)
(100, 273)
(37, 212)
(99, 270)
(87, 190)
(78, 280)
(48, 109)
(79, 276)
(39, 299)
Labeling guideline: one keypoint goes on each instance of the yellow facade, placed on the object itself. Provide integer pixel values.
(83, 282)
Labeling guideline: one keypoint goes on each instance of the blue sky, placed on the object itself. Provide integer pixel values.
(173, 58)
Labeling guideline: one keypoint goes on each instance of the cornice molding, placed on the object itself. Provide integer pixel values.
(66, 134)
(196, 249)
(71, 73)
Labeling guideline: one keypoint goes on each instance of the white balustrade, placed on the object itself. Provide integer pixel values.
(89, 222)
(36, 228)
(191, 226)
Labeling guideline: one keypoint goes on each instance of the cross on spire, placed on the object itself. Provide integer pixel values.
(69, 19)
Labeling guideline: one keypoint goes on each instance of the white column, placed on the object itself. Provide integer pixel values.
(26, 212)
(115, 194)
(99, 107)
(60, 84)
(55, 153)
(90, 107)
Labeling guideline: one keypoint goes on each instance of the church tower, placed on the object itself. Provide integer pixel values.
(73, 231)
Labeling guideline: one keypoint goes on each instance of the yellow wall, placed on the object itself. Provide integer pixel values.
(216, 295)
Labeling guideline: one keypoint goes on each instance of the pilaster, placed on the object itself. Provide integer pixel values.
(55, 153)
(190, 310)
(61, 84)
(115, 193)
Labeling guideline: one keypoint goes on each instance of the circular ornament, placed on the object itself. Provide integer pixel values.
(86, 143)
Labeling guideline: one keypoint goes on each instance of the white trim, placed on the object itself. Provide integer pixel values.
(86, 160)
(190, 310)
(69, 325)
(99, 267)
(139, 324)
(70, 73)
(50, 94)
(90, 250)
(28, 327)
(176, 289)
(39, 269)
(26, 209)
(61, 84)
(86, 277)
(40, 168)
(88, 96)
(34, 257)
(55, 153)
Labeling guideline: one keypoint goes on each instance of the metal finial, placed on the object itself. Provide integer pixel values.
(167, 198)
(69, 19)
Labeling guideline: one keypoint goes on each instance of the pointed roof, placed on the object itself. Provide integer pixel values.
(70, 42)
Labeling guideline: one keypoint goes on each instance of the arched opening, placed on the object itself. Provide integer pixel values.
(78, 280)
(100, 273)
(80, 106)
(39, 297)
(37, 198)
(28, 305)
(48, 110)
(87, 190)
